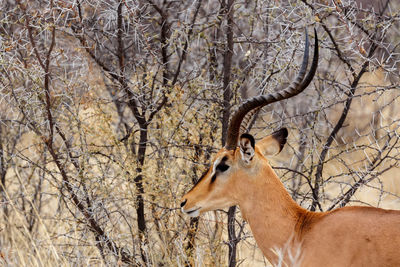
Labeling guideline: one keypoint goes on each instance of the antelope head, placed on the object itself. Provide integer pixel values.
(242, 159)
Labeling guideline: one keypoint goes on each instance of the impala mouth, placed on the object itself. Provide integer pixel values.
(194, 212)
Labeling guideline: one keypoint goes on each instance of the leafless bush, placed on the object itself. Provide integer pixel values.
(110, 110)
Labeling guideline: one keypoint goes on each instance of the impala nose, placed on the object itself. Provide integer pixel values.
(183, 203)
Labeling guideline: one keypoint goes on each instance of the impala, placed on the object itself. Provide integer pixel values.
(241, 175)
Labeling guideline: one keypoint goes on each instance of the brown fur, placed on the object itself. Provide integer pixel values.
(305, 222)
(350, 236)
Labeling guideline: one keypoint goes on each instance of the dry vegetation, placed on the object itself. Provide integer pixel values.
(110, 111)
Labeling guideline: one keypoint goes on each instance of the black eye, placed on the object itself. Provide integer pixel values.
(222, 167)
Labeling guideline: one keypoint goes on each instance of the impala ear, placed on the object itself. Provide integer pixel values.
(247, 144)
(273, 144)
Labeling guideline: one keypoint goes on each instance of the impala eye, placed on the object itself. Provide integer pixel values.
(222, 167)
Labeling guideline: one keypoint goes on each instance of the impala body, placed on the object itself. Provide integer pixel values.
(285, 232)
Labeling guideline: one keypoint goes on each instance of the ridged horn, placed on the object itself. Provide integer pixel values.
(296, 87)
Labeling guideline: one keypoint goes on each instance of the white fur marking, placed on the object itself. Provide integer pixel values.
(246, 151)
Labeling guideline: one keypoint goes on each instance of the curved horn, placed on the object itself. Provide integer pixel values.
(296, 87)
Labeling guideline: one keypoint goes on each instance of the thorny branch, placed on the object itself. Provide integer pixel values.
(169, 72)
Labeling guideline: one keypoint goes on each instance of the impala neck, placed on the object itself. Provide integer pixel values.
(270, 212)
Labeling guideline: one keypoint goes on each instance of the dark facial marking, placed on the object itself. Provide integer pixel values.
(221, 167)
(213, 178)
